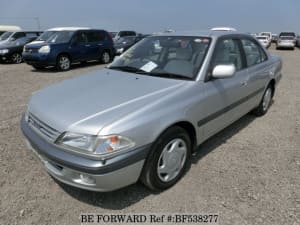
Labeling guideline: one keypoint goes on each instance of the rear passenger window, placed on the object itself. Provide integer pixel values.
(227, 52)
(96, 36)
(81, 37)
(254, 53)
(31, 35)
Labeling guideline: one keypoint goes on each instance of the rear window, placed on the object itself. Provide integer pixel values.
(291, 34)
(287, 38)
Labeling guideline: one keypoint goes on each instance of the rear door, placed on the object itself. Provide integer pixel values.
(259, 70)
(79, 47)
(95, 44)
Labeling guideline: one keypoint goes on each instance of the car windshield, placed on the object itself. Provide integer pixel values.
(56, 36)
(126, 39)
(5, 36)
(262, 38)
(175, 57)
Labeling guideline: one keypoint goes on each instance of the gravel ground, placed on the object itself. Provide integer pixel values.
(248, 174)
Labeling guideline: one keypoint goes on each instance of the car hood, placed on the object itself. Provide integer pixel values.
(87, 103)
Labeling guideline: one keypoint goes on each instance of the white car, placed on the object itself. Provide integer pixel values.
(267, 34)
(264, 40)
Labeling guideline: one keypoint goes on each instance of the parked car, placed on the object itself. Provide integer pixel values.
(286, 40)
(5, 28)
(124, 33)
(264, 40)
(124, 43)
(11, 36)
(12, 51)
(60, 47)
(267, 34)
(298, 41)
(144, 115)
(274, 38)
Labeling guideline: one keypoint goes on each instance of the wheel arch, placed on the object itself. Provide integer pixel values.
(64, 53)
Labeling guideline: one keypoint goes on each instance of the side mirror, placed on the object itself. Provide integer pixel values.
(223, 71)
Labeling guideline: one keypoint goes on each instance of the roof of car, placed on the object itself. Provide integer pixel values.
(68, 28)
(207, 33)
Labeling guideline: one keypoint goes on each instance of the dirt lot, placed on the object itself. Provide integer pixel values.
(248, 174)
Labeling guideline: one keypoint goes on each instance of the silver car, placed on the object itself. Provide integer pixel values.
(143, 116)
(286, 40)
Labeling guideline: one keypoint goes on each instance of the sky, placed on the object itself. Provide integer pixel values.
(148, 16)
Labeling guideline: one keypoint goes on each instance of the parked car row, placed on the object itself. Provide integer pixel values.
(285, 40)
(61, 47)
(12, 43)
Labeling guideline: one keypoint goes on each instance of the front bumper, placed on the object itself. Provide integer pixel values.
(286, 45)
(39, 59)
(89, 174)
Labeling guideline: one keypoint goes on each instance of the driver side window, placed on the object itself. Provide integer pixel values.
(227, 52)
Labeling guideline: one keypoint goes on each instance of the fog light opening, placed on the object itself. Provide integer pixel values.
(87, 179)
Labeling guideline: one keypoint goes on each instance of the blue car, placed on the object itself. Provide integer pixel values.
(60, 47)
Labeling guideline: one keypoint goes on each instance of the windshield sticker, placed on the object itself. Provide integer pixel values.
(148, 67)
(198, 40)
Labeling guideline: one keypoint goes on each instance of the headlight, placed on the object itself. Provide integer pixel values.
(4, 51)
(93, 145)
(44, 49)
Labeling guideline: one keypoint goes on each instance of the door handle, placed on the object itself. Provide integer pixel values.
(87, 45)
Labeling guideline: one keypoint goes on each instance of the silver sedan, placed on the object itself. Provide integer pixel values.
(143, 116)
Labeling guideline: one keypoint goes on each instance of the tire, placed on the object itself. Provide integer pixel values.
(63, 63)
(163, 168)
(16, 58)
(105, 57)
(265, 102)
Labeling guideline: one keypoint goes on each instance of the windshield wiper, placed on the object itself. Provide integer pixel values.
(171, 75)
(128, 69)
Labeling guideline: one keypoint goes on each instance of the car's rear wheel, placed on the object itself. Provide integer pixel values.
(265, 102)
(167, 160)
(63, 63)
(16, 58)
(105, 57)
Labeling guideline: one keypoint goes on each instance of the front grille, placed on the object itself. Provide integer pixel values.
(42, 128)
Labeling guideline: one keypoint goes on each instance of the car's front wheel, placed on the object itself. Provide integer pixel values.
(63, 63)
(168, 159)
(16, 58)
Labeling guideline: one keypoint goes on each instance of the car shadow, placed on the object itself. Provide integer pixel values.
(221, 137)
(115, 200)
(134, 193)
